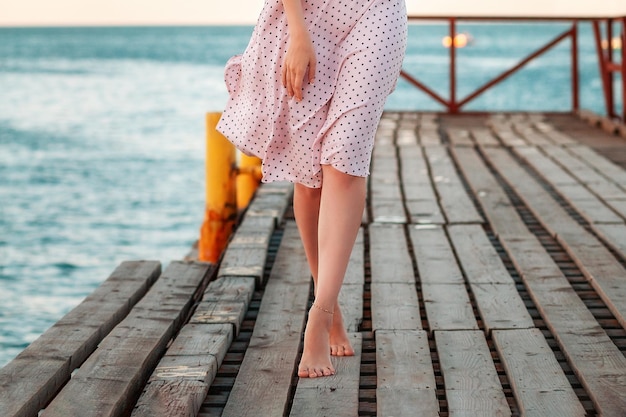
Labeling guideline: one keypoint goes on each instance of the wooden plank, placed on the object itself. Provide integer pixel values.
(420, 198)
(272, 204)
(496, 204)
(563, 311)
(389, 255)
(263, 383)
(111, 379)
(507, 136)
(557, 137)
(579, 197)
(385, 192)
(538, 382)
(607, 168)
(470, 377)
(456, 203)
(429, 135)
(459, 136)
(600, 267)
(247, 261)
(447, 303)
(220, 312)
(498, 302)
(545, 166)
(531, 136)
(230, 289)
(584, 173)
(405, 375)
(182, 378)
(337, 395)
(484, 137)
(31, 380)
(614, 235)
(395, 307)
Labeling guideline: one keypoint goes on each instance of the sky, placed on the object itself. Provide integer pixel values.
(207, 12)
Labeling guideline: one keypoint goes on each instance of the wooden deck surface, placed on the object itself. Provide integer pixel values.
(488, 279)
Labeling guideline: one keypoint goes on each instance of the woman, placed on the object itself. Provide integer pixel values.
(306, 97)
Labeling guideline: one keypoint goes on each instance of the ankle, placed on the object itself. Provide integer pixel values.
(325, 310)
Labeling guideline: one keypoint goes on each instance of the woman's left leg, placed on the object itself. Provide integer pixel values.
(341, 207)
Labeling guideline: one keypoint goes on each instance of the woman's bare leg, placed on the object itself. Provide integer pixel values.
(341, 203)
(306, 205)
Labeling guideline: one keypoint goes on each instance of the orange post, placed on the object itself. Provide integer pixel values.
(248, 179)
(221, 204)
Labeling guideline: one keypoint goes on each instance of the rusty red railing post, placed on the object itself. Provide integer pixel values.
(604, 73)
(575, 71)
(453, 106)
(623, 69)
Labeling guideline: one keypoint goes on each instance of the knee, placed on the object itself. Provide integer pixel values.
(341, 178)
(308, 193)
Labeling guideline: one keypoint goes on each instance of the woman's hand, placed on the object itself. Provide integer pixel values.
(300, 56)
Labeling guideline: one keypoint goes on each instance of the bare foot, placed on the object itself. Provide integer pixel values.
(339, 342)
(315, 360)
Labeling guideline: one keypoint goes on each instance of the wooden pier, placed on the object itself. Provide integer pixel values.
(488, 279)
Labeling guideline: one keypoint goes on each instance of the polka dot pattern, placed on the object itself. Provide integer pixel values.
(359, 48)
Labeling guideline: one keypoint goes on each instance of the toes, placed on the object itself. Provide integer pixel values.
(333, 350)
(328, 371)
(303, 373)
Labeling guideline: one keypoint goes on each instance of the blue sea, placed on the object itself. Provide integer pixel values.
(102, 141)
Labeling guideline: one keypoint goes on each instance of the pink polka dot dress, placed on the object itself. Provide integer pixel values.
(359, 46)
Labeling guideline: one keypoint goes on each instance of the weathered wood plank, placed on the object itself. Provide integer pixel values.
(337, 395)
(498, 302)
(531, 135)
(385, 192)
(428, 135)
(587, 204)
(456, 203)
(219, 312)
(111, 379)
(470, 377)
(600, 267)
(264, 380)
(459, 137)
(484, 137)
(181, 380)
(614, 235)
(272, 204)
(420, 198)
(608, 169)
(394, 295)
(389, 255)
(31, 380)
(584, 173)
(567, 317)
(447, 303)
(506, 134)
(395, 307)
(496, 204)
(405, 375)
(539, 384)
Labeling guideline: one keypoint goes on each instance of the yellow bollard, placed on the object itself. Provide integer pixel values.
(248, 179)
(221, 204)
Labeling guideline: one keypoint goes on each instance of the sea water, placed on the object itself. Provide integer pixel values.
(102, 141)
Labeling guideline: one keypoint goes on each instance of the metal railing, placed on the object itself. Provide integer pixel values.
(606, 58)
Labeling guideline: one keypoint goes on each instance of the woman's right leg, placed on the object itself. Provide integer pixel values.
(306, 206)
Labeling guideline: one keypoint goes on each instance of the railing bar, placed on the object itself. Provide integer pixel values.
(514, 69)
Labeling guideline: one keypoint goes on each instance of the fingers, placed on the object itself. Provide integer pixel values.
(293, 78)
(312, 68)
